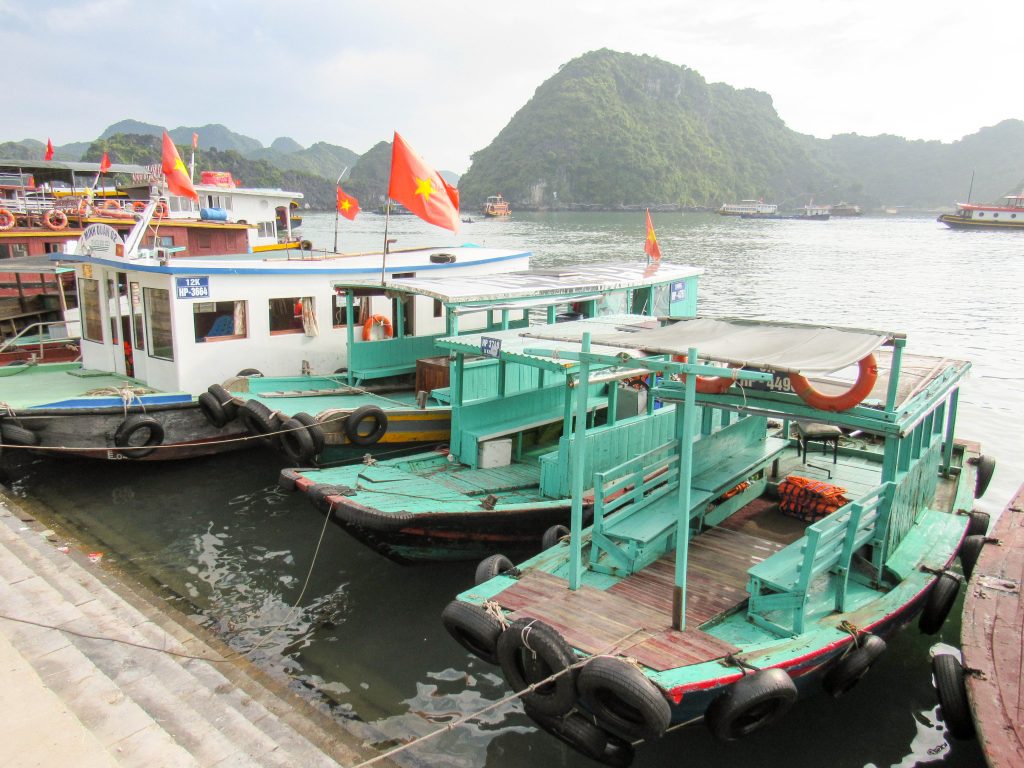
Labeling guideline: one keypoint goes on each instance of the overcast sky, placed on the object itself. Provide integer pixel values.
(449, 76)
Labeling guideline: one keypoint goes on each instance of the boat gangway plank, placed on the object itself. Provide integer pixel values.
(634, 617)
(993, 623)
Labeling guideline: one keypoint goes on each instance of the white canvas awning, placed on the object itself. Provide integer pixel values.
(807, 349)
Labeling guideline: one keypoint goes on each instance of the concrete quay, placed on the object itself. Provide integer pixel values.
(70, 699)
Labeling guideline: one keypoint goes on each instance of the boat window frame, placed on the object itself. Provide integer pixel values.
(91, 309)
(153, 327)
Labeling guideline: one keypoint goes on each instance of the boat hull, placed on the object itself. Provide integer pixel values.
(961, 222)
(89, 432)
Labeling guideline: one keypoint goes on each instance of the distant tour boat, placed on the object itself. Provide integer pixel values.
(974, 216)
(496, 205)
(846, 209)
(748, 207)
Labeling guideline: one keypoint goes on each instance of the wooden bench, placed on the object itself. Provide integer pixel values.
(646, 509)
(781, 584)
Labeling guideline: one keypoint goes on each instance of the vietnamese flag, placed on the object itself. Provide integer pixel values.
(49, 150)
(195, 140)
(178, 181)
(348, 206)
(421, 189)
(104, 163)
(651, 247)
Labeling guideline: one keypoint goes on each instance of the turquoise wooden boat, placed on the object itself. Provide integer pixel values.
(684, 593)
(394, 389)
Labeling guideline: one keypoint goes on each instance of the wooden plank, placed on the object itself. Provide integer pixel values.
(991, 631)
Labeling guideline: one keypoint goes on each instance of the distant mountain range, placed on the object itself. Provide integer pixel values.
(612, 130)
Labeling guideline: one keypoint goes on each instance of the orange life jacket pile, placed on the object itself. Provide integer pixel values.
(809, 500)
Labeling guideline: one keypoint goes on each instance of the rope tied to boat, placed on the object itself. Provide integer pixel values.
(493, 608)
(524, 635)
(735, 661)
(368, 459)
(855, 632)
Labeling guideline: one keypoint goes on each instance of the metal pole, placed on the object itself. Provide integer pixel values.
(686, 429)
(384, 253)
(577, 443)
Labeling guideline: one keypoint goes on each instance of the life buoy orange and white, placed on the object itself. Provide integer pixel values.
(375, 320)
(55, 220)
(708, 385)
(160, 211)
(866, 377)
(7, 220)
(105, 207)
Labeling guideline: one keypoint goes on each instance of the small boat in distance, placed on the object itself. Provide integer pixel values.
(749, 207)
(846, 209)
(1010, 215)
(809, 212)
(496, 205)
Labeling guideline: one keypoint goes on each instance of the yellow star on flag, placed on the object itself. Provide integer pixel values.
(424, 187)
(346, 205)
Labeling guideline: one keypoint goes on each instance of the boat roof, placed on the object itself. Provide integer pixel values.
(582, 282)
(795, 347)
(34, 265)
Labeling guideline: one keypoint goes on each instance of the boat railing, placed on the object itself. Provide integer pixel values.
(43, 340)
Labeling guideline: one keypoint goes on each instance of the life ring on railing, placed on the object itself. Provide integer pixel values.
(7, 220)
(160, 211)
(108, 207)
(377, 320)
(55, 220)
(866, 378)
(708, 385)
(138, 206)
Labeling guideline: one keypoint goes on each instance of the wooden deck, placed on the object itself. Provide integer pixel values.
(993, 623)
(633, 617)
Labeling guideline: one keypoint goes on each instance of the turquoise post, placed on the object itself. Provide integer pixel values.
(894, 374)
(350, 333)
(455, 440)
(685, 471)
(947, 448)
(577, 467)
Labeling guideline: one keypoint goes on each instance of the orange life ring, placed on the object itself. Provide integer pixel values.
(55, 220)
(108, 206)
(7, 220)
(707, 385)
(866, 377)
(160, 211)
(377, 320)
(138, 206)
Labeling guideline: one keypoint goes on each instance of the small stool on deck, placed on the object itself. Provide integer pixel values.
(822, 433)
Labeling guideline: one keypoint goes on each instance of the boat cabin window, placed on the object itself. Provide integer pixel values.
(158, 321)
(135, 292)
(182, 205)
(92, 315)
(438, 308)
(13, 250)
(219, 320)
(218, 201)
(286, 315)
(338, 310)
(162, 241)
(267, 229)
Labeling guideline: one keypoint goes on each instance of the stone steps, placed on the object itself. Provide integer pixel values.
(145, 707)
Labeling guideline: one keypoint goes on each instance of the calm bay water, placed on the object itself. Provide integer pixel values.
(226, 546)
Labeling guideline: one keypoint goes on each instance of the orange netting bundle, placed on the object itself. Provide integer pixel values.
(808, 499)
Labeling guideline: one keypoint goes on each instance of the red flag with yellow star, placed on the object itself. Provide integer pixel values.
(178, 181)
(421, 189)
(104, 163)
(49, 150)
(651, 247)
(348, 206)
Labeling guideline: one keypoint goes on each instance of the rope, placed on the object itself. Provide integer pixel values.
(493, 608)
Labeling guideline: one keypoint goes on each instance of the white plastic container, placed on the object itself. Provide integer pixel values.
(494, 453)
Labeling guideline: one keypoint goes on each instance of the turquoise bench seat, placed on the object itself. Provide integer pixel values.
(780, 584)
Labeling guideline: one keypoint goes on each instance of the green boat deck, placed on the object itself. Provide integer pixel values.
(37, 386)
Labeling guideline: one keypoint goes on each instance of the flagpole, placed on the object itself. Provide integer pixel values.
(337, 212)
(384, 253)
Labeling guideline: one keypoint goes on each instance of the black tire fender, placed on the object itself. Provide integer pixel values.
(553, 535)
(354, 422)
(530, 651)
(226, 400)
(127, 429)
(13, 434)
(259, 420)
(248, 372)
(938, 604)
(953, 701)
(848, 670)
(751, 703)
(585, 736)
(297, 442)
(979, 524)
(623, 699)
(212, 410)
(474, 628)
(315, 429)
(491, 566)
(986, 468)
(969, 552)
